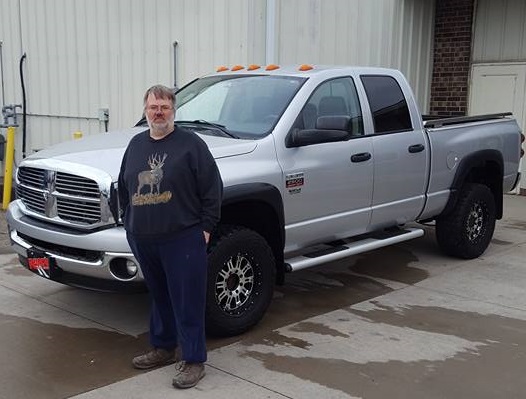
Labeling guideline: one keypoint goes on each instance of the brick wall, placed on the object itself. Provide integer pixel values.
(451, 57)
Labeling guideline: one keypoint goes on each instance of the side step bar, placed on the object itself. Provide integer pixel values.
(343, 250)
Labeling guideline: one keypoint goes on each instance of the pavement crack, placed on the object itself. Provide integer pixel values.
(249, 381)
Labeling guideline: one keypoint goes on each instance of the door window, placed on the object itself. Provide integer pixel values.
(388, 104)
(334, 97)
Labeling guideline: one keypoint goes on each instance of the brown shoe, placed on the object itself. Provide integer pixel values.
(187, 375)
(154, 358)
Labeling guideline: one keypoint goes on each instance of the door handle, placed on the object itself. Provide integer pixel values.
(416, 148)
(362, 157)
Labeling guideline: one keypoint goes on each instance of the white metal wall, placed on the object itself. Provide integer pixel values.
(83, 55)
(387, 33)
(499, 31)
(499, 57)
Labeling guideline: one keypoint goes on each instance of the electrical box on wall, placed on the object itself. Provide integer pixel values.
(104, 114)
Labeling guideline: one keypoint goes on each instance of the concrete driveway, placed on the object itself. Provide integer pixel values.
(401, 322)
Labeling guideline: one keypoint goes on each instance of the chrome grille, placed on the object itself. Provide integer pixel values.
(76, 210)
(76, 185)
(61, 197)
(33, 199)
(32, 177)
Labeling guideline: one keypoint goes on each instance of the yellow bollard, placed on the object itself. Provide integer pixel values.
(8, 171)
(77, 135)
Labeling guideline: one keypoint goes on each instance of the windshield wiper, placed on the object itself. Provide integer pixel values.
(217, 126)
(141, 122)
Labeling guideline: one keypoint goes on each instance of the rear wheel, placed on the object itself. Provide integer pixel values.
(240, 280)
(467, 231)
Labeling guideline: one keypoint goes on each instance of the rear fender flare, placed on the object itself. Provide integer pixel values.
(464, 174)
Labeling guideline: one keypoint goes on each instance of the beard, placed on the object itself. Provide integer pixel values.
(161, 126)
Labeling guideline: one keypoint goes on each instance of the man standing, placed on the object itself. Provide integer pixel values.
(170, 193)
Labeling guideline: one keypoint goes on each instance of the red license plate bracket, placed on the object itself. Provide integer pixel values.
(38, 262)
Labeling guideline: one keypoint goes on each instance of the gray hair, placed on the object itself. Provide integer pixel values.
(160, 91)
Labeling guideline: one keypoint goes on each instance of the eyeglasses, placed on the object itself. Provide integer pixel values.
(156, 108)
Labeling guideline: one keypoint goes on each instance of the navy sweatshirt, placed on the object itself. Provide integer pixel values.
(168, 185)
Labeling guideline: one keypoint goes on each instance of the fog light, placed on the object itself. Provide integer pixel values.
(131, 267)
(123, 269)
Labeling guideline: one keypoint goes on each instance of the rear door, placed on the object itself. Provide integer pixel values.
(400, 153)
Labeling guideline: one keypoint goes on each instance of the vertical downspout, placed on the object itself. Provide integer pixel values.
(20, 26)
(270, 36)
(2, 71)
(175, 64)
(24, 100)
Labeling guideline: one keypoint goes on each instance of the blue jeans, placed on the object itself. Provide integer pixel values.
(175, 272)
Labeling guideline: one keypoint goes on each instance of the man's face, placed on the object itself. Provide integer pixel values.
(159, 113)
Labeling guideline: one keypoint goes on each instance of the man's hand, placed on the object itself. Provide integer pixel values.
(207, 236)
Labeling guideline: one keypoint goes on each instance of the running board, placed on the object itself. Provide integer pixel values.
(343, 250)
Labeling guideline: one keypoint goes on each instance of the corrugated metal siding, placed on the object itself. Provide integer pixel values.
(83, 55)
(500, 31)
(10, 38)
(387, 33)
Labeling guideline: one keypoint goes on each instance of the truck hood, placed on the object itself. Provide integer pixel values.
(104, 151)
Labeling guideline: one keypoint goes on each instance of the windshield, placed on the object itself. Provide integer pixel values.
(246, 106)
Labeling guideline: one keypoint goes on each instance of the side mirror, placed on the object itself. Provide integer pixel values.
(335, 122)
(329, 129)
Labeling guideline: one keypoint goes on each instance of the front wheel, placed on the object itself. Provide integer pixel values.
(467, 231)
(240, 280)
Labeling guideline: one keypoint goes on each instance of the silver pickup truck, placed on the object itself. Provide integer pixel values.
(318, 163)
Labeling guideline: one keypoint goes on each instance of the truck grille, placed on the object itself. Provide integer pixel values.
(77, 185)
(70, 198)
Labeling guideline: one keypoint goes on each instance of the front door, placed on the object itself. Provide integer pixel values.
(328, 186)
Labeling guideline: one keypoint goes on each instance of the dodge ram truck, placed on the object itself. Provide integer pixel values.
(318, 163)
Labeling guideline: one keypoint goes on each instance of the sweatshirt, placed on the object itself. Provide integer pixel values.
(168, 185)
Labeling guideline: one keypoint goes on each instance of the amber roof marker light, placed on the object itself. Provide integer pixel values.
(305, 67)
(271, 67)
(237, 68)
(221, 69)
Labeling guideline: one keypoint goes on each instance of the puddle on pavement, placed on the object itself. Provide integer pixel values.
(9, 261)
(391, 264)
(309, 293)
(53, 361)
(514, 224)
(496, 241)
(304, 296)
(18, 270)
(322, 289)
(494, 370)
(317, 328)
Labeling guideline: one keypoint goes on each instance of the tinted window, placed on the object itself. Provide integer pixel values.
(388, 104)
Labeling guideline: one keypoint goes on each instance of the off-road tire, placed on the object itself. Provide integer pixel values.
(467, 230)
(241, 277)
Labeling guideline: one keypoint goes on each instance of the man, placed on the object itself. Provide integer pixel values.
(170, 192)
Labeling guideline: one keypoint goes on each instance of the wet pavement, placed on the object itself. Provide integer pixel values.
(401, 322)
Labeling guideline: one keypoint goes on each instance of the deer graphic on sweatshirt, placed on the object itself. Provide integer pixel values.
(152, 177)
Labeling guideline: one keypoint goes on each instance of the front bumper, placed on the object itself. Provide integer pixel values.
(94, 260)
